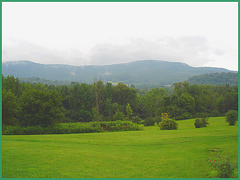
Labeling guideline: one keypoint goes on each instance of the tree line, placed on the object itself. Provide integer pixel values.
(26, 104)
(217, 79)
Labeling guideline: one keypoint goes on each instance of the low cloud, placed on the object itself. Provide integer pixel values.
(194, 51)
(191, 50)
(28, 51)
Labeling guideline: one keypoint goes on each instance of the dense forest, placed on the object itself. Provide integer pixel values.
(26, 104)
(216, 79)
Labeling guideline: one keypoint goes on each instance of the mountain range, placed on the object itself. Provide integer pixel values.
(142, 74)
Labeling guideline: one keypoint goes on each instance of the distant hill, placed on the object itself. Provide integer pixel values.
(33, 80)
(145, 73)
(217, 79)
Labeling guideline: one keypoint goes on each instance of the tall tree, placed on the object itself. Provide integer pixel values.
(10, 108)
(41, 106)
(129, 111)
(98, 90)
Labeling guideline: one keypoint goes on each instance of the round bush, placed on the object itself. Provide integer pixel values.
(168, 124)
(197, 123)
(202, 122)
(232, 117)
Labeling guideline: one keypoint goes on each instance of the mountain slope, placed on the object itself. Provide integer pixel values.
(216, 79)
(146, 73)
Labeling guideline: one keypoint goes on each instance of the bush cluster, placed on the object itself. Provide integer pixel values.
(224, 166)
(201, 122)
(67, 128)
(63, 128)
(116, 125)
(169, 124)
(232, 117)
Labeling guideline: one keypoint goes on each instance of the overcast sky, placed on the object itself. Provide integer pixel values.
(199, 34)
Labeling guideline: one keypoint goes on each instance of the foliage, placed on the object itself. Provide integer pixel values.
(167, 123)
(63, 128)
(217, 79)
(201, 122)
(157, 120)
(116, 125)
(137, 119)
(34, 104)
(80, 102)
(153, 100)
(224, 166)
(164, 116)
(41, 107)
(232, 117)
(129, 111)
(187, 102)
(149, 121)
(10, 108)
(98, 91)
(118, 116)
(184, 115)
(67, 128)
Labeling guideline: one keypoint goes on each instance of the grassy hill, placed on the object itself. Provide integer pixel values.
(146, 73)
(150, 153)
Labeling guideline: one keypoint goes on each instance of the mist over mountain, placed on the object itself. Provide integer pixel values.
(144, 73)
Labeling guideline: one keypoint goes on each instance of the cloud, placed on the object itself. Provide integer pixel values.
(193, 50)
(219, 52)
(22, 50)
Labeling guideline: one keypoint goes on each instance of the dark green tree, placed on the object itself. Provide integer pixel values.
(10, 108)
(41, 106)
(232, 117)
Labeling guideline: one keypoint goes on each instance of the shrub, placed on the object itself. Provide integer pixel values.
(168, 124)
(232, 117)
(224, 166)
(197, 123)
(149, 121)
(202, 122)
(62, 128)
(67, 128)
(116, 125)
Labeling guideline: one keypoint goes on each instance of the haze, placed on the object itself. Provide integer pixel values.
(199, 34)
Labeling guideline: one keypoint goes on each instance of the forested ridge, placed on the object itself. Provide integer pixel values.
(26, 104)
(142, 73)
(217, 79)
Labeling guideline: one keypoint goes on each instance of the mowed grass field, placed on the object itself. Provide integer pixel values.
(149, 153)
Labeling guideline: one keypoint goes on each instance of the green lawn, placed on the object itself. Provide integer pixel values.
(149, 153)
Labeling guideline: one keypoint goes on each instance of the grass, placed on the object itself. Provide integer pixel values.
(150, 153)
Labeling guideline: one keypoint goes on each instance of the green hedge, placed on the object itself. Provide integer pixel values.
(116, 125)
(67, 128)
